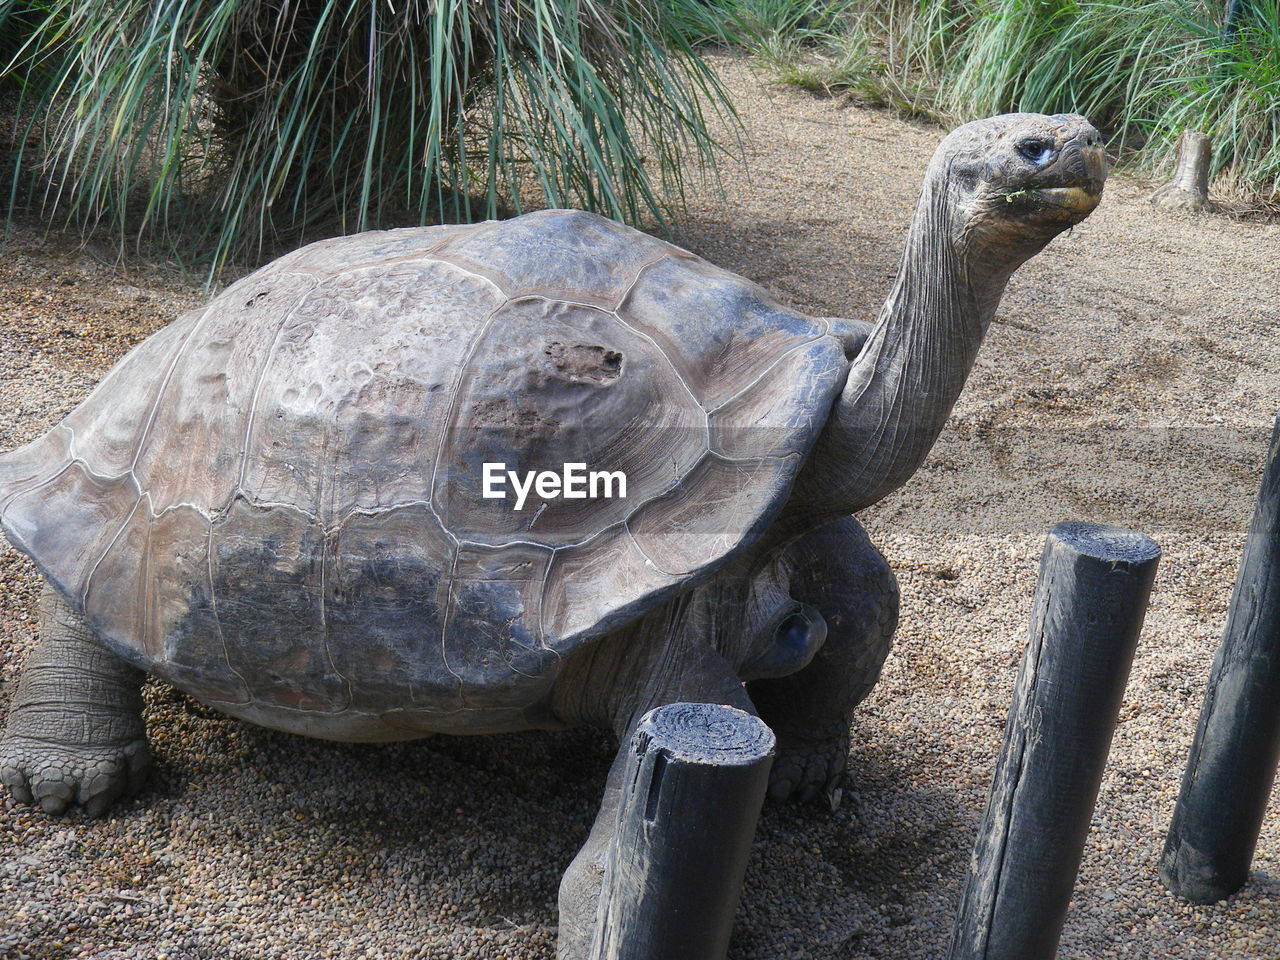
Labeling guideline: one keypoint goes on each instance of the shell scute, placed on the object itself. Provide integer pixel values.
(110, 444)
(770, 419)
(358, 387)
(553, 383)
(182, 631)
(490, 649)
(33, 464)
(68, 522)
(191, 450)
(703, 519)
(374, 247)
(267, 573)
(562, 254)
(577, 600)
(117, 590)
(494, 645)
(722, 332)
(385, 606)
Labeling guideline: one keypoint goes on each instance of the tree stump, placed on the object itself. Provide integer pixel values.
(691, 795)
(1233, 760)
(1189, 188)
(1090, 601)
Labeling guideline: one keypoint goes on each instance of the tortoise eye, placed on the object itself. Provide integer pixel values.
(1037, 151)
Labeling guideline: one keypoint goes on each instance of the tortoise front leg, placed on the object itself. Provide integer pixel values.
(75, 731)
(700, 676)
(837, 570)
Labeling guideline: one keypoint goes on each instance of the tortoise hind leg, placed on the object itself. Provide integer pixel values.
(837, 570)
(75, 731)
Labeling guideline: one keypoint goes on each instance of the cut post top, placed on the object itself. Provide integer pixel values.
(709, 733)
(1108, 544)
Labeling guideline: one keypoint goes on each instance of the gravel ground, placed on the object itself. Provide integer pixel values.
(1130, 378)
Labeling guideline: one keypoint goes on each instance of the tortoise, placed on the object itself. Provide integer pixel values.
(524, 474)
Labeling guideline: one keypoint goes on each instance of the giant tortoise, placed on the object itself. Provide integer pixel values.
(522, 474)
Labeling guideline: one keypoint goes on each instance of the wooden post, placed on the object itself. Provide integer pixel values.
(1189, 188)
(1090, 600)
(691, 795)
(1237, 745)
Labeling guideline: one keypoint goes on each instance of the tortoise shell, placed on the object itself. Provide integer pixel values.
(277, 502)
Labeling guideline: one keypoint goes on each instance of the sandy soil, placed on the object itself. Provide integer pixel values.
(1131, 377)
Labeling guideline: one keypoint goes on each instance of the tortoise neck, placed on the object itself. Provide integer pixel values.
(902, 385)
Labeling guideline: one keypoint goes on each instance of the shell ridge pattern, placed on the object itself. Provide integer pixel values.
(422, 257)
(36, 483)
(325, 547)
(446, 621)
(145, 435)
(259, 382)
(659, 494)
(189, 505)
(337, 525)
(470, 273)
(622, 298)
(146, 578)
(111, 544)
(217, 617)
(747, 461)
(617, 312)
(74, 461)
(93, 474)
(662, 353)
(418, 256)
(626, 526)
(71, 443)
(781, 358)
(456, 389)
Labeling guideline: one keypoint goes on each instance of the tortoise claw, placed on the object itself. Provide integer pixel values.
(808, 770)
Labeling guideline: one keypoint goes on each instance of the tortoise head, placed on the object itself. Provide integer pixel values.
(1010, 184)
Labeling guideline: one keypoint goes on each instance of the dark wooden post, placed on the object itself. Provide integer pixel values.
(1189, 188)
(1090, 601)
(691, 795)
(1237, 745)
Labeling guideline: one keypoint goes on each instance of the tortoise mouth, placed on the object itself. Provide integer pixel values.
(1060, 205)
(1077, 201)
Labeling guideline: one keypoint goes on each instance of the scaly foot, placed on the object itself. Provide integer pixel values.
(807, 769)
(56, 775)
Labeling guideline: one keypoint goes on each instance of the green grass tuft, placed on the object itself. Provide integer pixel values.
(224, 127)
(1228, 89)
(1143, 70)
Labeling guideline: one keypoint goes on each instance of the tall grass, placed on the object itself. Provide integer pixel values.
(1052, 56)
(773, 29)
(224, 126)
(1143, 70)
(1229, 88)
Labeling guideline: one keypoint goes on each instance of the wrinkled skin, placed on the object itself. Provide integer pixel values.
(803, 614)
